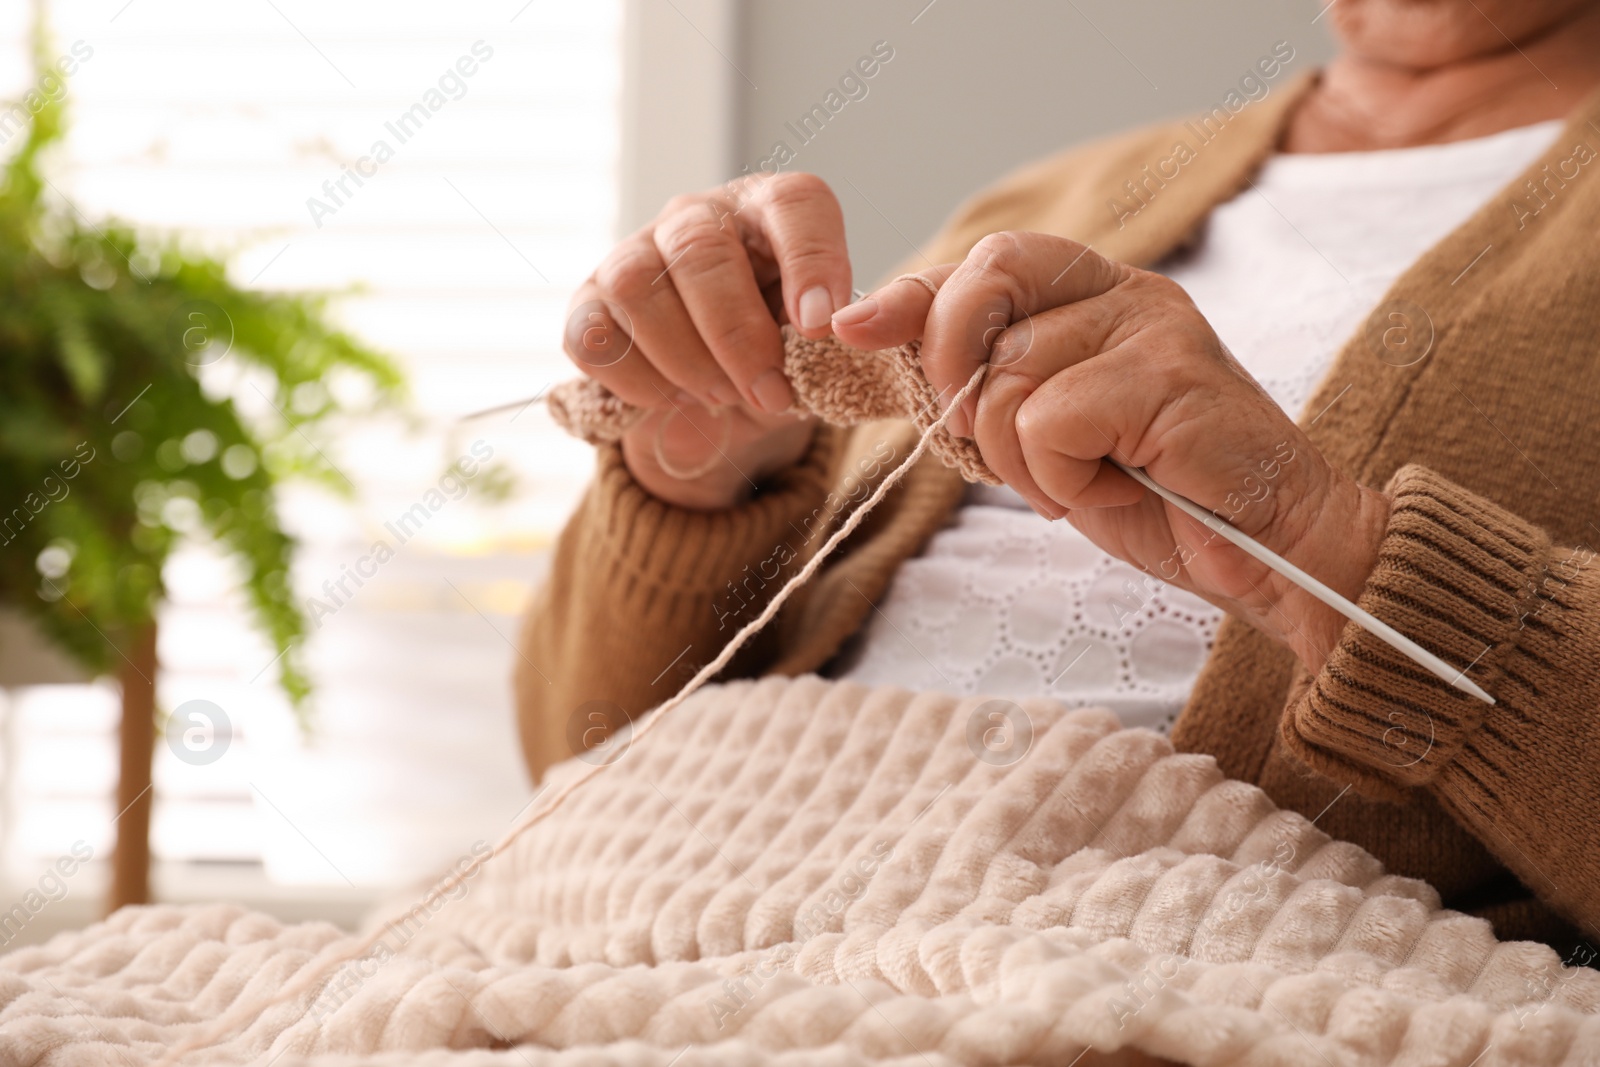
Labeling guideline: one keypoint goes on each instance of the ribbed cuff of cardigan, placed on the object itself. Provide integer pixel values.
(645, 544)
(1454, 574)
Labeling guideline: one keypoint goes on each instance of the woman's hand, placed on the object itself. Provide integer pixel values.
(1091, 359)
(681, 318)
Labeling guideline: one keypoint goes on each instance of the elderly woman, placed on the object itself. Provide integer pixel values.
(1401, 248)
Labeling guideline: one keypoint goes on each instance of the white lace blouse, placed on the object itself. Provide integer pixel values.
(1006, 604)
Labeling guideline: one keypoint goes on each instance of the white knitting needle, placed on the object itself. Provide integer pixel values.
(1377, 627)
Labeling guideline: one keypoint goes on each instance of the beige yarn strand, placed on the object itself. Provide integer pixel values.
(315, 971)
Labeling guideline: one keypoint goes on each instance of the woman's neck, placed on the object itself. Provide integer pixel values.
(1362, 104)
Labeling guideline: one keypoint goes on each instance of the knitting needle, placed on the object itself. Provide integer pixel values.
(855, 294)
(1373, 625)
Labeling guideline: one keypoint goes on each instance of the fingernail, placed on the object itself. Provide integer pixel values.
(852, 314)
(816, 306)
(724, 394)
(772, 392)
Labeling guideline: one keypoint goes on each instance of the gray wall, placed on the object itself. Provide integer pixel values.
(976, 88)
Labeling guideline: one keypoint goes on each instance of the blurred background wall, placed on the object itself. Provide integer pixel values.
(973, 90)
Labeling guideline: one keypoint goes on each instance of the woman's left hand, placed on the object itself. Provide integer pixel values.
(1088, 359)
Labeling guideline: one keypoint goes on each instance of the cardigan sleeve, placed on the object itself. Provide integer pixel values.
(641, 593)
(1489, 592)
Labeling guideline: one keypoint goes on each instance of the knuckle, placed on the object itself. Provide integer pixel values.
(572, 347)
(1028, 425)
(1030, 419)
(1158, 289)
(685, 202)
(695, 240)
(1124, 321)
(628, 273)
(1171, 374)
(593, 337)
(1012, 344)
(1160, 283)
(792, 188)
(998, 251)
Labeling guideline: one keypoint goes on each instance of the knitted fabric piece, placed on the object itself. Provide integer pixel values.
(841, 385)
(796, 871)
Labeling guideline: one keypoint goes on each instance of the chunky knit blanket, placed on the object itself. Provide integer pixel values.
(809, 872)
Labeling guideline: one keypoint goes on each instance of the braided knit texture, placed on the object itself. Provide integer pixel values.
(801, 871)
(843, 386)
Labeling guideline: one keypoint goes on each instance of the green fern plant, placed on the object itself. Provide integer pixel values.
(114, 445)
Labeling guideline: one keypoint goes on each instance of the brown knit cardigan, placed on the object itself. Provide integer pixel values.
(1472, 394)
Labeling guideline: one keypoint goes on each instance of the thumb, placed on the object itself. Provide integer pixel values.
(894, 313)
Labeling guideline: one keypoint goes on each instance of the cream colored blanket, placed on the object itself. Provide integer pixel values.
(806, 872)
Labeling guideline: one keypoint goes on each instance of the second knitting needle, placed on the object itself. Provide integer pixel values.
(1366, 620)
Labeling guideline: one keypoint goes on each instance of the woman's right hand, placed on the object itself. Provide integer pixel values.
(681, 318)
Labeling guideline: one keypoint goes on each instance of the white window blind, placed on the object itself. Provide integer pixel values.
(484, 136)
